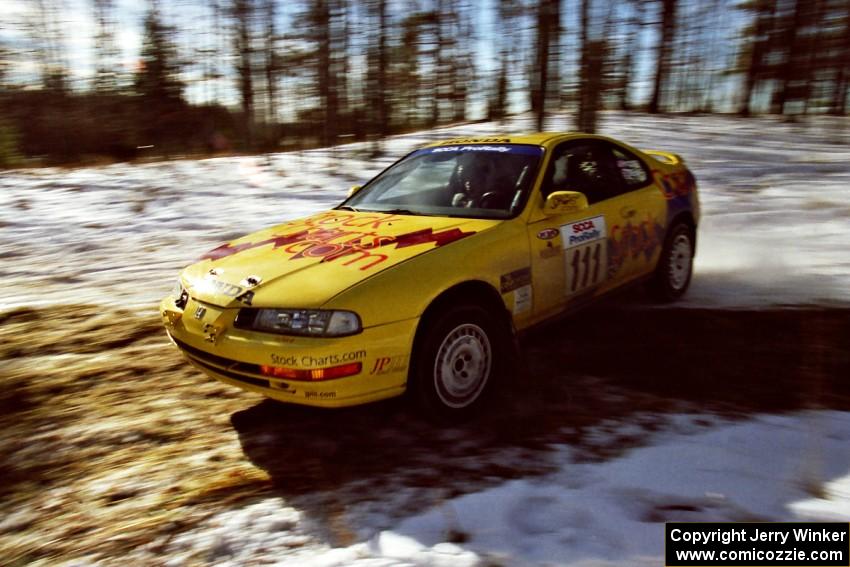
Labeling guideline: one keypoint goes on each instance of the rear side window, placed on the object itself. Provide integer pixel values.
(632, 169)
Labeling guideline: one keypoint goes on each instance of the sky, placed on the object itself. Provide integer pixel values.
(79, 30)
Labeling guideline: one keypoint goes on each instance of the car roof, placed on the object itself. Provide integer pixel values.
(536, 138)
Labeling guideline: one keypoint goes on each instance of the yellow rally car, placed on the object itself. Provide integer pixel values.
(420, 279)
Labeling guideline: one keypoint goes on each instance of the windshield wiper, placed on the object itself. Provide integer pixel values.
(384, 211)
(399, 212)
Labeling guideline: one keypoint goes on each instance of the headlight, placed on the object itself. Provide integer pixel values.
(304, 322)
(181, 296)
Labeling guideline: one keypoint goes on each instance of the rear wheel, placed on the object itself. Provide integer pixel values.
(675, 266)
(457, 361)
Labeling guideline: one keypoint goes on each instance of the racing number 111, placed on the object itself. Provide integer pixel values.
(585, 266)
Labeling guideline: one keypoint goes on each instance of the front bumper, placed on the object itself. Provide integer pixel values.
(205, 335)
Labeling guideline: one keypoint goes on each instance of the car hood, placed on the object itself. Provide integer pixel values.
(305, 262)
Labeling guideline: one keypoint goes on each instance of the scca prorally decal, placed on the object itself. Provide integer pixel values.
(477, 141)
(500, 149)
(633, 240)
(318, 240)
(459, 147)
(583, 231)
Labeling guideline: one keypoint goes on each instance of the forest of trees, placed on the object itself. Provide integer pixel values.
(261, 75)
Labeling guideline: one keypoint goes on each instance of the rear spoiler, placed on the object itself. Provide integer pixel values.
(666, 157)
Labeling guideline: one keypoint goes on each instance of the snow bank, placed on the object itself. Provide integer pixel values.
(768, 468)
(764, 469)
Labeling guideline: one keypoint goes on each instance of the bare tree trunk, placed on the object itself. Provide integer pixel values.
(326, 71)
(545, 17)
(344, 43)
(584, 109)
(507, 13)
(662, 65)
(463, 70)
(715, 41)
(243, 15)
(383, 61)
(839, 92)
(498, 106)
(764, 18)
(552, 86)
(630, 52)
(681, 61)
(47, 38)
(379, 110)
(813, 55)
(413, 26)
(106, 54)
(271, 63)
(592, 66)
(437, 63)
(221, 46)
(449, 43)
(787, 71)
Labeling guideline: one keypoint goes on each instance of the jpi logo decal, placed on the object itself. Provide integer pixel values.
(583, 231)
(388, 364)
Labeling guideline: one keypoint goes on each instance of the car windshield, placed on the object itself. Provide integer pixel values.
(477, 181)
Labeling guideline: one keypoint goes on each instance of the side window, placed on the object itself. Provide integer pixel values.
(632, 169)
(584, 167)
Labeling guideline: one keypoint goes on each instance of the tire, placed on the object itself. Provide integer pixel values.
(458, 361)
(675, 265)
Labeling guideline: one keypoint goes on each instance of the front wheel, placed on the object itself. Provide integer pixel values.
(457, 360)
(675, 266)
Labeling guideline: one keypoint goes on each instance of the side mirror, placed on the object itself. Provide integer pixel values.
(564, 202)
(354, 189)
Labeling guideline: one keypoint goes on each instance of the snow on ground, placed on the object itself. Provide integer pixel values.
(752, 471)
(768, 468)
(776, 203)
